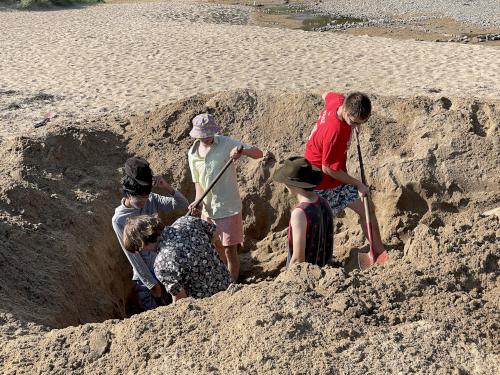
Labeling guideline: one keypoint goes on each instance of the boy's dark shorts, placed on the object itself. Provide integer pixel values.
(340, 197)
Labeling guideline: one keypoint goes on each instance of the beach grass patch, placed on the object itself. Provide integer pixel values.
(310, 24)
(284, 10)
(29, 4)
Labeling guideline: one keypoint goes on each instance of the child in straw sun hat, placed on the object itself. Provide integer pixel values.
(310, 231)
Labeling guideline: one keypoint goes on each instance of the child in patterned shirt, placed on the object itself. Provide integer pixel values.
(185, 260)
(188, 264)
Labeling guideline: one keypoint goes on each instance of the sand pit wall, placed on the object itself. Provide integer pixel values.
(60, 262)
(427, 160)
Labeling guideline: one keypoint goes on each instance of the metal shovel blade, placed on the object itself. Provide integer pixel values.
(365, 260)
(382, 258)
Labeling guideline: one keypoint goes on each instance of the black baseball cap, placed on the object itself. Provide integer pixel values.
(138, 169)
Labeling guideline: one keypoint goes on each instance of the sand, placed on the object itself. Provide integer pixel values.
(432, 309)
(128, 58)
(431, 153)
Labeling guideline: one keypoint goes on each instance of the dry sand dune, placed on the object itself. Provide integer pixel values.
(131, 57)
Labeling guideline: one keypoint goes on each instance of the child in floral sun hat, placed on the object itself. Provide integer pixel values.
(222, 206)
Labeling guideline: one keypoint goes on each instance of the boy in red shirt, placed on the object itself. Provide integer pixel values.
(327, 149)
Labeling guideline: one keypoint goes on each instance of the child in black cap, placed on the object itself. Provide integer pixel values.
(139, 200)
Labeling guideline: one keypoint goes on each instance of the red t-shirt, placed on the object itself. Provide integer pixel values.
(329, 141)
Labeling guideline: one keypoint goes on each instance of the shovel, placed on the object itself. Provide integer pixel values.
(366, 260)
(226, 166)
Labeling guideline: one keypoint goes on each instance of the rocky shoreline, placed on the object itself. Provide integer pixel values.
(483, 13)
(420, 22)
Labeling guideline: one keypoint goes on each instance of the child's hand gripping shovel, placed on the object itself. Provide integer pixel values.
(226, 166)
(366, 260)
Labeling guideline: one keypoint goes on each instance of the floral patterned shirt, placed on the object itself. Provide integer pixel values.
(188, 259)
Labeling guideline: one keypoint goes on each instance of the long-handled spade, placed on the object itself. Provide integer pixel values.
(226, 166)
(366, 260)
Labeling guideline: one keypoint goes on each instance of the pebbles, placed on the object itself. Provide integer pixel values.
(468, 39)
(196, 12)
(484, 13)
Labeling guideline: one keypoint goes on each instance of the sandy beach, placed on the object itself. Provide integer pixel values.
(129, 58)
(126, 78)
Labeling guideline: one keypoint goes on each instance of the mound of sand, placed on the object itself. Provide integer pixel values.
(433, 309)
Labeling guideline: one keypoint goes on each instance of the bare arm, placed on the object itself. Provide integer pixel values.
(253, 152)
(199, 193)
(340, 175)
(159, 181)
(199, 190)
(345, 178)
(182, 294)
(298, 223)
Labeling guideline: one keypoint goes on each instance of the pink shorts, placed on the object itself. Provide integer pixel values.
(229, 229)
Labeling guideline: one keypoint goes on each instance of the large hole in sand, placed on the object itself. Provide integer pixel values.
(61, 264)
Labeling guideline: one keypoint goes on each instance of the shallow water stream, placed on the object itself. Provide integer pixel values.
(302, 17)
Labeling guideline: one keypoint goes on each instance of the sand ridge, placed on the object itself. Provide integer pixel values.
(132, 57)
